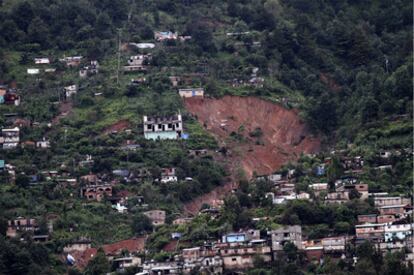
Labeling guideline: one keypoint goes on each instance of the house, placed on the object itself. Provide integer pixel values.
(157, 217)
(70, 90)
(386, 218)
(334, 245)
(9, 96)
(91, 69)
(71, 61)
(280, 199)
(370, 231)
(191, 92)
(164, 36)
(168, 175)
(371, 218)
(125, 262)
(159, 128)
(318, 188)
(33, 71)
(397, 232)
(11, 137)
(120, 208)
(337, 197)
(161, 268)
(284, 235)
(174, 80)
(96, 192)
(138, 80)
(19, 225)
(42, 60)
(180, 221)
(137, 63)
(392, 209)
(80, 244)
(43, 144)
(241, 236)
(198, 153)
(386, 201)
(313, 250)
(242, 255)
(204, 259)
(361, 188)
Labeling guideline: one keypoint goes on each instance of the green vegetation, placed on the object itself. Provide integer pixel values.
(346, 65)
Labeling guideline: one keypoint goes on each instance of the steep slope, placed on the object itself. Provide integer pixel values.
(260, 136)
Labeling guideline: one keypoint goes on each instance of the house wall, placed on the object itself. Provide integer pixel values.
(185, 93)
(242, 261)
(161, 135)
(391, 211)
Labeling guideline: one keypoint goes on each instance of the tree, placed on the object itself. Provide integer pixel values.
(98, 265)
(141, 223)
(38, 32)
(291, 251)
(22, 180)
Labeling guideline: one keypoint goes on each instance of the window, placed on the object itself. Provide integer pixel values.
(233, 259)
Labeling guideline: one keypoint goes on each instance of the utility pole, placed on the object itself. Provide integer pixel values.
(119, 56)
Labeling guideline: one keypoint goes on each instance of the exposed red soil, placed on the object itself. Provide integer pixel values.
(65, 109)
(284, 136)
(132, 245)
(117, 127)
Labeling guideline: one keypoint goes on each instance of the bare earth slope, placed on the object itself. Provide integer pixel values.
(284, 136)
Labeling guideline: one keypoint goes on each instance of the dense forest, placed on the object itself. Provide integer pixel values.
(346, 66)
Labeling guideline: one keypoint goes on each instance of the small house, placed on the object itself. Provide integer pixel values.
(96, 192)
(41, 61)
(70, 90)
(191, 92)
(157, 217)
(72, 61)
(165, 36)
(43, 144)
(33, 71)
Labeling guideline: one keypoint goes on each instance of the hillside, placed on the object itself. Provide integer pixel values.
(188, 136)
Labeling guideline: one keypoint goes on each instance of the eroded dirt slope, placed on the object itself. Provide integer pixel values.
(260, 136)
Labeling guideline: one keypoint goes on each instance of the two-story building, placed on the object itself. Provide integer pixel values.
(10, 137)
(284, 235)
(159, 128)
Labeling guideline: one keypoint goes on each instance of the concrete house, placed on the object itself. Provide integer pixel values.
(370, 231)
(70, 90)
(168, 175)
(392, 209)
(158, 128)
(71, 61)
(386, 201)
(42, 60)
(397, 232)
(284, 235)
(164, 36)
(91, 69)
(137, 63)
(242, 255)
(157, 217)
(191, 92)
(19, 225)
(11, 137)
(96, 192)
(43, 144)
